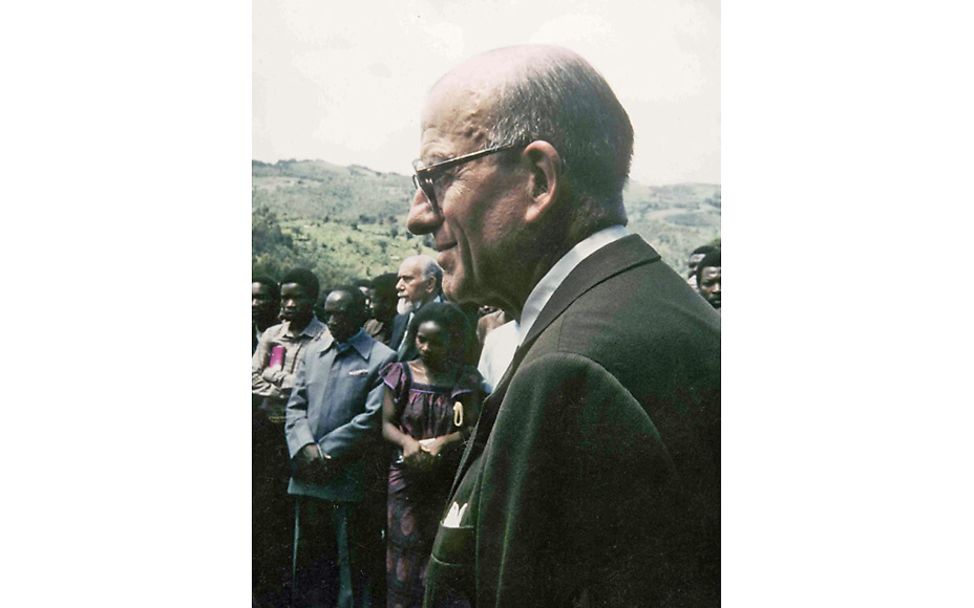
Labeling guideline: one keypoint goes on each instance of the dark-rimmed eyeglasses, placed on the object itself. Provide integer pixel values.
(425, 177)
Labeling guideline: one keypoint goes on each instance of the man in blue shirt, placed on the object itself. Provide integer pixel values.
(332, 427)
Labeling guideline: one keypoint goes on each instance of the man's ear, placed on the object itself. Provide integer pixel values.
(544, 180)
(430, 284)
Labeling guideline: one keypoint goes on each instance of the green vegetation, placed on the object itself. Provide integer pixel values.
(349, 222)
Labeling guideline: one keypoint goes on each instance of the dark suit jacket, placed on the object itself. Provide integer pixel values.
(400, 326)
(337, 404)
(593, 477)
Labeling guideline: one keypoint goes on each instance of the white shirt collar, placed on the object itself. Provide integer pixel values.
(546, 287)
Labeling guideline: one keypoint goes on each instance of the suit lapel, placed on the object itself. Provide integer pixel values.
(617, 256)
(481, 431)
(398, 329)
(605, 263)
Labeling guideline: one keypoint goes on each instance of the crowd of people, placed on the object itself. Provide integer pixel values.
(532, 419)
(431, 399)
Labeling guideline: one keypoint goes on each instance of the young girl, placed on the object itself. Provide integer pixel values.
(430, 404)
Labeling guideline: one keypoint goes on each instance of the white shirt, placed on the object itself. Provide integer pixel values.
(542, 292)
(499, 347)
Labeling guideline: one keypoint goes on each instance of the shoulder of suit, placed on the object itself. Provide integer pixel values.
(546, 376)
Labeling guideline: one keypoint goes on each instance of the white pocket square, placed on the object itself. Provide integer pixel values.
(454, 516)
(358, 372)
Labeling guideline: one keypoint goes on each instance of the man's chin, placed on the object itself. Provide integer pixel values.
(404, 307)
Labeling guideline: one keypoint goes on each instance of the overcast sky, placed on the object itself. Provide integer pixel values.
(345, 81)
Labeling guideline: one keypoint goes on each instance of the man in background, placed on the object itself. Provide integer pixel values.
(264, 306)
(693, 260)
(708, 278)
(418, 284)
(275, 362)
(382, 300)
(489, 318)
(332, 430)
(273, 370)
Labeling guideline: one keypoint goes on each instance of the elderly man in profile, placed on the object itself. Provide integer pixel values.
(593, 476)
(418, 283)
(332, 429)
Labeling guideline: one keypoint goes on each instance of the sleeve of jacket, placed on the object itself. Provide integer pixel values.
(347, 438)
(297, 430)
(285, 380)
(574, 462)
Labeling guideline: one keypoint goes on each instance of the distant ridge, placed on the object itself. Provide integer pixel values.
(348, 222)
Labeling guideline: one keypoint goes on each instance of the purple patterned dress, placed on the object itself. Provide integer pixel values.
(417, 500)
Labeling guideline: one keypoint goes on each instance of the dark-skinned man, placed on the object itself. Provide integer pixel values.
(264, 307)
(382, 302)
(332, 430)
(592, 478)
(695, 256)
(708, 278)
(272, 375)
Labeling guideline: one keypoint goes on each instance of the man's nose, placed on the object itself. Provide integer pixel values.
(422, 219)
(716, 288)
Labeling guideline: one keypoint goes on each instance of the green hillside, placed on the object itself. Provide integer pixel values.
(349, 222)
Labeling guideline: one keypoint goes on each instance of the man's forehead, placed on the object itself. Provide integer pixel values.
(710, 271)
(292, 289)
(453, 116)
(338, 301)
(408, 269)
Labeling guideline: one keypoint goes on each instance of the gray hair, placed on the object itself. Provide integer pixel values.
(562, 99)
(428, 267)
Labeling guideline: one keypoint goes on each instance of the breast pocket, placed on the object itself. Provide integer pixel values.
(454, 545)
(450, 573)
(344, 398)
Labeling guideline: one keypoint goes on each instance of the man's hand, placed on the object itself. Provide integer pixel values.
(272, 375)
(311, 464)
(309, 453)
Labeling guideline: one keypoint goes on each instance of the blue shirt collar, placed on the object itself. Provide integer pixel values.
(361, 342)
